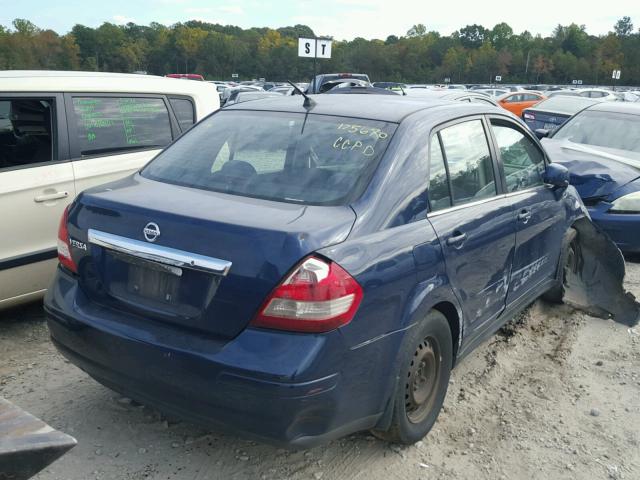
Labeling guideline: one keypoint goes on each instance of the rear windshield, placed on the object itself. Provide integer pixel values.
(289, 157)
(564, 104)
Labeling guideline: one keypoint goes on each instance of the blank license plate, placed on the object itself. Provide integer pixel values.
(153, 284)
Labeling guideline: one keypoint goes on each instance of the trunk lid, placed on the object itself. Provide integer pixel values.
(261, 239)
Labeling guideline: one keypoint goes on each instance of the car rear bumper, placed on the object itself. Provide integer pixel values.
(267, 385)
(624, 229)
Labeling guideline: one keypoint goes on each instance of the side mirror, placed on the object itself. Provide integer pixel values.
(556, 175)
(542, 133)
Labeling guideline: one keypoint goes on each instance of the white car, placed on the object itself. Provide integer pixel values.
(63, 132)
(601, 93)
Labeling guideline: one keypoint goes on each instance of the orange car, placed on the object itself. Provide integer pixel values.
(516, 102)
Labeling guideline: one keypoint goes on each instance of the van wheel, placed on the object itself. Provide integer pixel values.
(423, 381)
(568, 262)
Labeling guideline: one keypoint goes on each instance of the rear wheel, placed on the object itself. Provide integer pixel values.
(568, 263)
(423, 380)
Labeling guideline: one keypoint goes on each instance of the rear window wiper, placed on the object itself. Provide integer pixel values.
(95, 151)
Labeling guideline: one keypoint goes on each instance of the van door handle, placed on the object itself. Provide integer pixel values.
(524, 216)
(51, 196)
(457, 240)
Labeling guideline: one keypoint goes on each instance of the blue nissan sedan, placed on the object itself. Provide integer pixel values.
(297, 272)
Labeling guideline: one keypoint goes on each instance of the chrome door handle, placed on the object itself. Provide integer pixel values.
(524, 216)
(50, 196)
(458, 240)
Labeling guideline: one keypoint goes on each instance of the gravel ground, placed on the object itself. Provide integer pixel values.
(553, 396)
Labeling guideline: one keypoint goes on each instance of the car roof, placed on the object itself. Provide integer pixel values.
(631, 108)
(105, 82)
(603, 90)
(387, 108)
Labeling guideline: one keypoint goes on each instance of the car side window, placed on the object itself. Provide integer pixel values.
(117, 124)
(469, 160)
(439, 195)
(26, 132)
(522, 160)
(184, 111)
(514, 98)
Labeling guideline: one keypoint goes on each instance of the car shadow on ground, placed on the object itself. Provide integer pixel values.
(632, 257)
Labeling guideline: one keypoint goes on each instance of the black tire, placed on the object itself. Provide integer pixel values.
(568, 260)
(425, 368)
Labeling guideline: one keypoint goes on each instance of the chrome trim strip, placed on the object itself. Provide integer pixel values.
(160, 254)
(487, 200)
(466, 205)
(544, 186)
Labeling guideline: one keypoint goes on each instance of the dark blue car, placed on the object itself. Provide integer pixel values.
(601, 148)
(298, 274)
(549, 114)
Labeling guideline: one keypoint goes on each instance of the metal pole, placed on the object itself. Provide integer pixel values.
(315, 59)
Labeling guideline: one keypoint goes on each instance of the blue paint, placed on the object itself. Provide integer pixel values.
(204, 363)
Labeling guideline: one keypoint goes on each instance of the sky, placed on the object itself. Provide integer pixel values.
(342, 19)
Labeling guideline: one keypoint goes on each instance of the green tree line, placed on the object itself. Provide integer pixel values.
(472, 54)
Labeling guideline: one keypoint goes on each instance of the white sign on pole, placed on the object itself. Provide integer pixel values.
(234, 75)
(579, 82)
(447, 80)
(575, 82)
(618, 74)
(323, 48)
(307, 47)
(314, 47)
(498, 78)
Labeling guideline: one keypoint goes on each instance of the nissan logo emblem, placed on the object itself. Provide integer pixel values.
(151, 231)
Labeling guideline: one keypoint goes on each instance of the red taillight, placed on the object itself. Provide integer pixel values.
(317, 297)
(64, 248)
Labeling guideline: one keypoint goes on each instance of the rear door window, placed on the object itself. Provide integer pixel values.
(439, 194)
(469, 161)
(290, 157)
(26, 131)
(106, 125)
(184, 111)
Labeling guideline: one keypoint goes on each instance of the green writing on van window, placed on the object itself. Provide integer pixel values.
(99, 119)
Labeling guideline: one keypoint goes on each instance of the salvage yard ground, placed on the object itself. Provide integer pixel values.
(555, 395)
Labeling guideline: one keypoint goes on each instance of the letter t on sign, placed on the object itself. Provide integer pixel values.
(324, 48)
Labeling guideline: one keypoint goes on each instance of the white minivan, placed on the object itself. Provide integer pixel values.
(63, 132)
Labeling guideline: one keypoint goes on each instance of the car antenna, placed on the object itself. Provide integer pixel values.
(404, 94)
(308, 101)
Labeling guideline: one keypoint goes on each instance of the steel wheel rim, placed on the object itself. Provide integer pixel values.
(421, 385)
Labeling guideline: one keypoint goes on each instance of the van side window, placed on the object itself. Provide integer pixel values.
(522, 160)
(469, 161)
(117, 124)
(26, 131)
(439, 195)
(184, 112)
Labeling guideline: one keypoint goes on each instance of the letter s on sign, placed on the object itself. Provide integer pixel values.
(307, 47)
